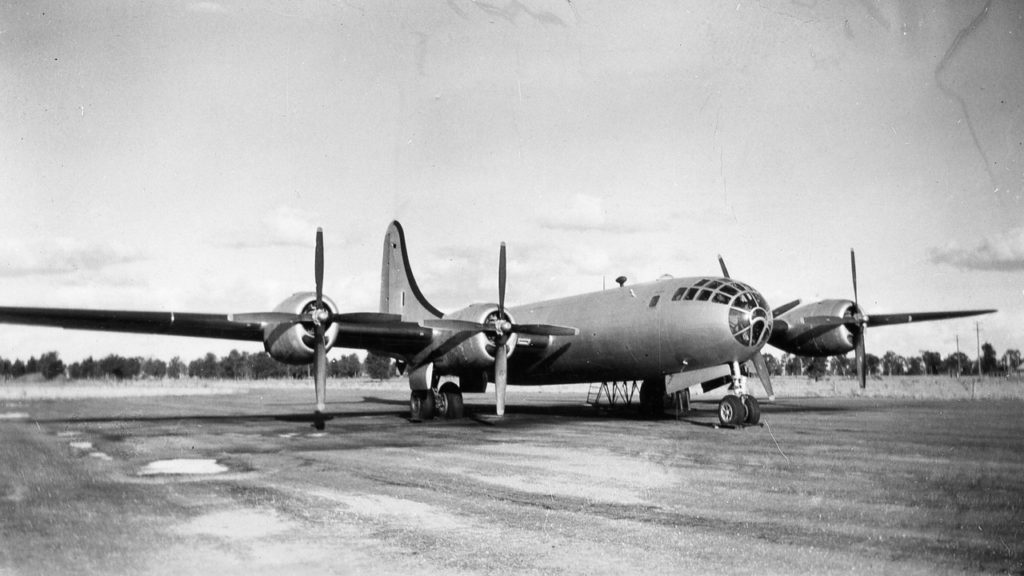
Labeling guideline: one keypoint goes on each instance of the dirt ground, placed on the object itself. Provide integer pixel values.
(240, 483)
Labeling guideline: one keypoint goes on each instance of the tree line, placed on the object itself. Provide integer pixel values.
(260, 366)
(892, 364)
(234, 366)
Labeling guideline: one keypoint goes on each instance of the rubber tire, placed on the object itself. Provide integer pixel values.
(449, 395)
(456, 409)
(731, 411)
(753, 410)
(421, 405)
(652, 399)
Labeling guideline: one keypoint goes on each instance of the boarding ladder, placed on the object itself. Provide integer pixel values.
(614, 393)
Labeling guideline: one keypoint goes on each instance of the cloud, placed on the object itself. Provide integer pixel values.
(1000, 252)
(589, 214)
(56, 256)
(284, 227)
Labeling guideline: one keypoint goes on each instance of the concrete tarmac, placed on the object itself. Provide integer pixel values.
(242, 484)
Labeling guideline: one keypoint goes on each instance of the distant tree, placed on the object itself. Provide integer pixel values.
(932, 361)
(839, 365)
(5, 368)
(817, 367)
(893, 364)
(176, 368)
(50, 365)
(772, 363)
(379, 367)
(345, 367)
(18, 368)
(154, 368)
(32, 366)
(235, 365)
(119, 367)
(794, 365)
(873, 363)
(989, 359)
(915, 366)
(958, 361)
(1011, 360)
(206, 367)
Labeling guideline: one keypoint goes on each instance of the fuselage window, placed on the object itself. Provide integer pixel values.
(654, 301)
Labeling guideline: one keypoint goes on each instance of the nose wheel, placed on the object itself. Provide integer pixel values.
(735, 411)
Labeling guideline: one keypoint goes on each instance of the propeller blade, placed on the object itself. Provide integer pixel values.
(907, 317)
(861, 359)
(501, 280)
(721, 262)
(318, 266)
(500, 378)
(544, 330)
(267, 318)
(853, 268)
(761, 367)
(785, 308)
(320, 369)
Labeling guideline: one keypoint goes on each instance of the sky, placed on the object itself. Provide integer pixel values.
(179, 155)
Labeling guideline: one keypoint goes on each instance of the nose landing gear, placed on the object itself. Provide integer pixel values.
(738, 407)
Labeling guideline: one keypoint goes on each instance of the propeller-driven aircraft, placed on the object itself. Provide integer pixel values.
(670, 334)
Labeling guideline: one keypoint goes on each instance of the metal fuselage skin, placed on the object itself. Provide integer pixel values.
(623, 337)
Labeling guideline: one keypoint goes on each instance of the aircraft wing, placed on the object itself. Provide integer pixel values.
(908, 317)
(170, 323)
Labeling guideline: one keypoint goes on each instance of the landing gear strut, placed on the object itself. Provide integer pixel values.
(738, 408)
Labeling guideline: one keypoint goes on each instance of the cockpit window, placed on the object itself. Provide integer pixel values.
(750, 319)
(679, 294)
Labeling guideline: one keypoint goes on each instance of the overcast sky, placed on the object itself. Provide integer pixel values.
(179, 155)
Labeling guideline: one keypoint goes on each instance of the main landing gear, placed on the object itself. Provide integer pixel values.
(443, 402)
(738, 408)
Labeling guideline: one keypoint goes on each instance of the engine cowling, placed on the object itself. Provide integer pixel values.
(476, 352)
(293, 343)
(806, 340)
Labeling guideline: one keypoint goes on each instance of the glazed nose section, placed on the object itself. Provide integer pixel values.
(750, 319)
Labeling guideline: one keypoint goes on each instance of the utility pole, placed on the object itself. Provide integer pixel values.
(977, 331)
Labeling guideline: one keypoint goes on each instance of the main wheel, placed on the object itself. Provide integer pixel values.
(652, 398)
(753, 410)
(421, 405)
(731, 411)
(450, 396)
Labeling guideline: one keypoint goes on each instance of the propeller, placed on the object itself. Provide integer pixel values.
(857, 322)
(760, 366)
(501, 330)
(320, 317)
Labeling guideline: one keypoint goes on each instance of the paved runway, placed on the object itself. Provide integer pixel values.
(829, 486)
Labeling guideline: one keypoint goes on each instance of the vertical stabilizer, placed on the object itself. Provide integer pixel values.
(399, 293)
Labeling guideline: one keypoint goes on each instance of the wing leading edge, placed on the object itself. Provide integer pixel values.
(170, 323)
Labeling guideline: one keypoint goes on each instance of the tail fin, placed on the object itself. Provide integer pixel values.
(399, 293)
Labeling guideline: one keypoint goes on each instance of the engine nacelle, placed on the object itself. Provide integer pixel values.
(476, 352)
(805, 340)
(293, 343)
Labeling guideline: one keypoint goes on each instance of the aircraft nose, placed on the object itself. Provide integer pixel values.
(750, 318)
